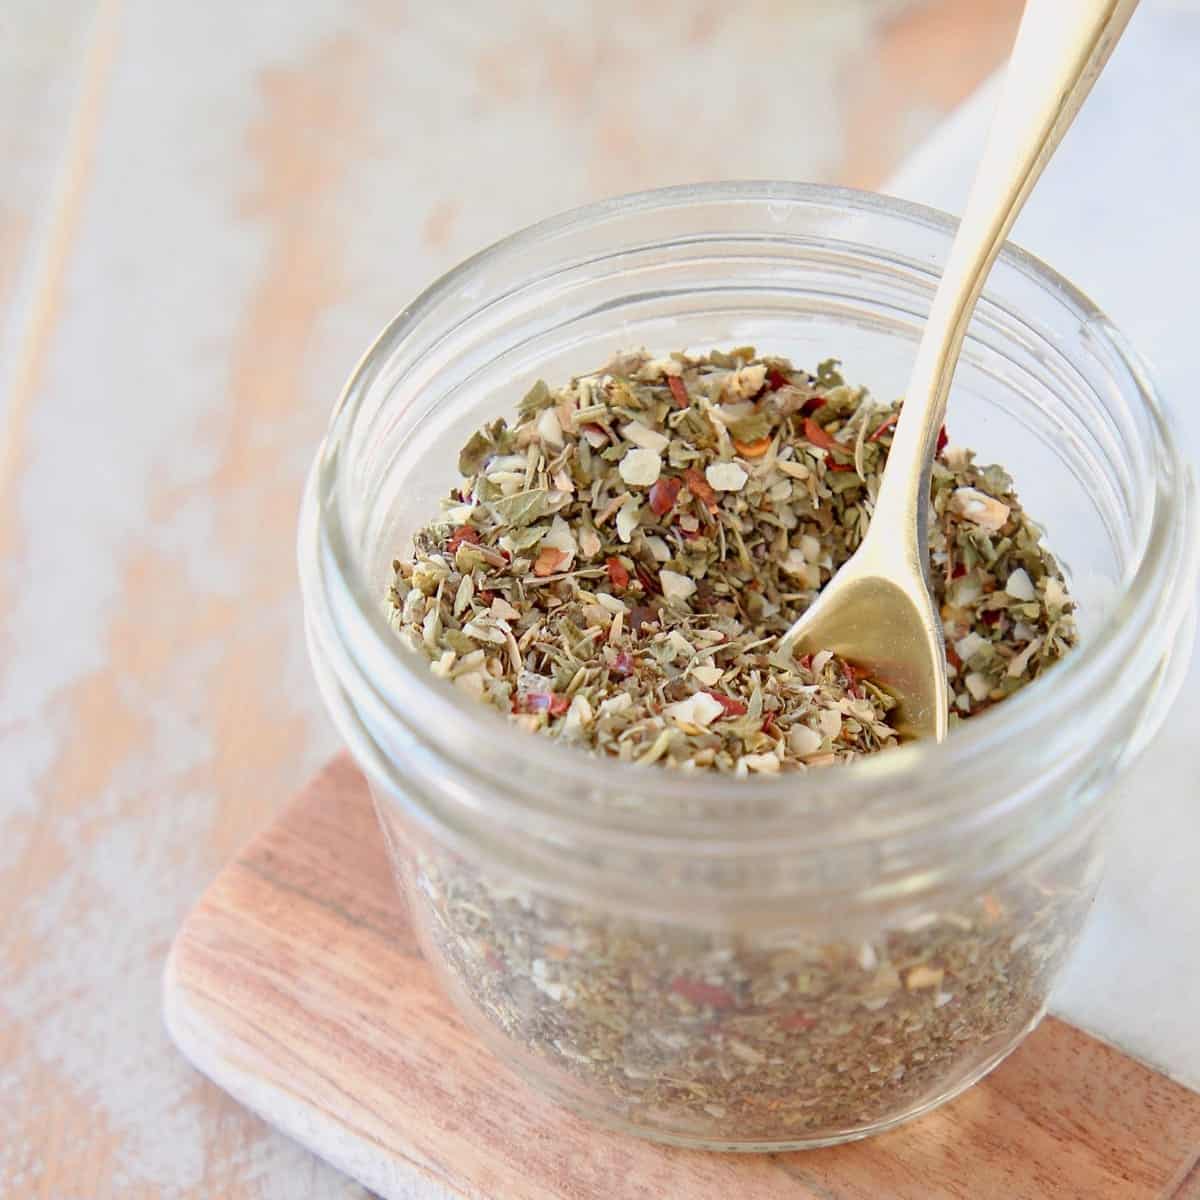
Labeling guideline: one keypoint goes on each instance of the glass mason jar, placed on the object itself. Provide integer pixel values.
(774, 962)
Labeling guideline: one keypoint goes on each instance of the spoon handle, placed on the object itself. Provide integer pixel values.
(1060, 49)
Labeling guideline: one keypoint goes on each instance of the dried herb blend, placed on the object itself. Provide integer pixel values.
(763, 1036)
(614, 571)
(618, 564)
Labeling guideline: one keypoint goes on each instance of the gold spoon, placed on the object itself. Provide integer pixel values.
(877, 612)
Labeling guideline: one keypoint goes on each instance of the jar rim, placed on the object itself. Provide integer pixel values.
(1150, 591)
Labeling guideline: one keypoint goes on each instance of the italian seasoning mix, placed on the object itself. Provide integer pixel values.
(615, 571)
(618, 564)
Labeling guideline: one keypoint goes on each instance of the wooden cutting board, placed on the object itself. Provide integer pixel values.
(296, 985)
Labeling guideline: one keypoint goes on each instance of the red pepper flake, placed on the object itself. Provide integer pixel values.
(618, 576)
(754, 449)
(960, 569)
(884, 427)
(678, 390)
(776, 379)
(464, 533)
(853, 675)
(663, 494)
(943, 440)
(547, 702)
(952, 657)
(698, 486)
(812, 404)
(805, 660)
(768, 725)
(991, 616)
(548, 561)
(822, 437)
(622, 665)
(836, 466)
(796, 1022)
(699, 992)
(732, 706)
(648, 580)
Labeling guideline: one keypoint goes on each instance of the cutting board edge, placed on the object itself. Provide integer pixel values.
(186, 1027)
(192, 1004)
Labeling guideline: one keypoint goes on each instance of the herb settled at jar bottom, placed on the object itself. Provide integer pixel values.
(747, 1038)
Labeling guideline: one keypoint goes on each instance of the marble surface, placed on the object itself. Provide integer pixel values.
(1116, 214)
(209, 209)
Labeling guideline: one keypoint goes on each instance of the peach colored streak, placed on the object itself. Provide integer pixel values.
(892, 102)
(303, 143)
(439, 224)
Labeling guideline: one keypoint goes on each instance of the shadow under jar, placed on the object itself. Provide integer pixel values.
(767, 963)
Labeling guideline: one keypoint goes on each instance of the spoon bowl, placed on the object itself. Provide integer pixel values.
(879, 612)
